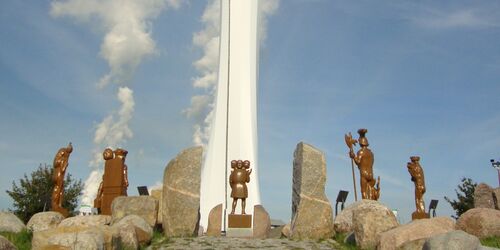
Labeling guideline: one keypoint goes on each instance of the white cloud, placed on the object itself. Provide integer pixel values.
(466, 18)
(127, 26)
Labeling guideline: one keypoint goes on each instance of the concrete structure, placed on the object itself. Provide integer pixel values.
(234, 128)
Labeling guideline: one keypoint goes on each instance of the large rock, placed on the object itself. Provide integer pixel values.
(10, 223)
(112, 238)
(215, 221)
(343, 222)
(44, 220)
(86, 221)
(453, 240)
(483, 196)
(481, 222)
(143, 230)
(369, 221)
(6, 244)
(127, 236)
(415, 230)
(312, 216)
(261, 222)
(413, 245)
(142, 206)
(157, 194)
(285, 231)
(181, 194)
(496, 197)
(72, 237)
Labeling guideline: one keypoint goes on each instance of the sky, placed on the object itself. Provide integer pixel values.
(422, 77)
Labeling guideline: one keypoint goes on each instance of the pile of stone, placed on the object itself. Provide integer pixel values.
(370, 224)
(130, 225)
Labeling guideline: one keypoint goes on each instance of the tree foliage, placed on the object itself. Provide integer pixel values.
(465, 197)
(33, 194)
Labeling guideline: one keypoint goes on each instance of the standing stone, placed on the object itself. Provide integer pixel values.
(481, 222)
(6, 244)
(370, 221)
(44, 220)
(10, 223)
(453, 240)
(415, 230)
(483, 196)
(145, 207)
(312, 216)
(261, 222)
(157, 194)
(181, 194)
(215, 221)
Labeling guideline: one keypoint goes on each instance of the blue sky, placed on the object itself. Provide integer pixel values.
(422, 77)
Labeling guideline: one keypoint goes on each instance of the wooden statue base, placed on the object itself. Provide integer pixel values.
(417, 215)
(239, 221)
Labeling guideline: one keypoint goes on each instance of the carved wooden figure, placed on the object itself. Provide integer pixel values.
(240, 176)
(114, 180)
(370, 189)
(60, 165)
(417, 176)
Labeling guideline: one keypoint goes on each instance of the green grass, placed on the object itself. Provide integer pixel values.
(21, 240)
(491, 241)
(158, 240)
(339, 238)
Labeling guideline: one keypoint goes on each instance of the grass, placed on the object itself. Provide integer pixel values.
(339, 238)
(158, 240)
(21, 240)
(491, 241)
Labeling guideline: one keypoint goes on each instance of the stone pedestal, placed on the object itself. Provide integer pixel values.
(239, 225)
(239, 232)
(417, 215)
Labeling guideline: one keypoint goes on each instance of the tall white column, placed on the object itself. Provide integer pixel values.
(234, 128)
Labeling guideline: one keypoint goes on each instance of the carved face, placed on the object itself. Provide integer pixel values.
(246, 164)
(107, 154)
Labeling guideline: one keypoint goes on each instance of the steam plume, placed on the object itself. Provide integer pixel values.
(202, 105)
(126, 43)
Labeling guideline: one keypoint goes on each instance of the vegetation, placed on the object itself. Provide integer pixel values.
(491, 241)
(465, 197)
(340, 237)
(21, 240)
(33, 194)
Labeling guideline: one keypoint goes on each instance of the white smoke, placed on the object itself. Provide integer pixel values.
(202, 106)
(127, 41)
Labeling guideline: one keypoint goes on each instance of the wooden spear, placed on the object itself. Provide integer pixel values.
(350, 142)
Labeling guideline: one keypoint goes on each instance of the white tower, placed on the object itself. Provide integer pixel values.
(234, 127)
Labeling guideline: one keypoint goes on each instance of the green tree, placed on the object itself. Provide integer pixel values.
(33, 195)
(465, 197)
